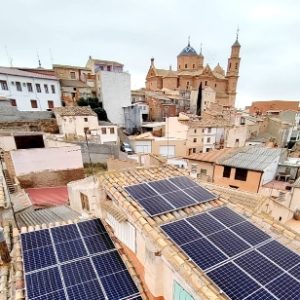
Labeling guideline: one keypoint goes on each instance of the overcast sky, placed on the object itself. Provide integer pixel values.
(132, 31)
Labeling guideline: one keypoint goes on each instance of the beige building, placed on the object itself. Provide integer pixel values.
(191, 72)
(75, 122)
(76, 82)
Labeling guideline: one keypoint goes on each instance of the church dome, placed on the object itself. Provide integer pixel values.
(188, 51)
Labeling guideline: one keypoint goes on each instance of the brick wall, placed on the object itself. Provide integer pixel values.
(50, 178)
(9, 165)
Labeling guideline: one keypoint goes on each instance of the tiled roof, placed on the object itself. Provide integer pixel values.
(211, 156)
(73, 83)
(48, 196)
(113, 184)
(252, 158)
(74, 111)
(17, 72)
(101, 61)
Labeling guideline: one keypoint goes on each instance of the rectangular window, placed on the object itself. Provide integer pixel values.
(72, 75)
(38, 87)
(194, 150)
(108, 68)
(29, 87)
(208, 140)
(241, 174)
(18, 86)
(195, 130)
(84, 202)
(13, 102)
(4, 85)
(195, 140)
(53, 88)
(46, 88)
(226, 172)
(103, 130)
(33, 103)
(85, 119)
(203, 130)
(203, 171)
(205, 83)
(50, 104)
(112, 130)
(209, 130)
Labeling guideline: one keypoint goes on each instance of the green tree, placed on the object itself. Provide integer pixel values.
(95, 105)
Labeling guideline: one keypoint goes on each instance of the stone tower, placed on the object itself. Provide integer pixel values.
(232, 73)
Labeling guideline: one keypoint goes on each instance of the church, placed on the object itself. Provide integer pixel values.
(218, 86)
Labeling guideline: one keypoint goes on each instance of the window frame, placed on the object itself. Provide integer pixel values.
(241, 174)
(38, 88)
(32, 101)
(226, 171)
(18, 86)
(4, 85)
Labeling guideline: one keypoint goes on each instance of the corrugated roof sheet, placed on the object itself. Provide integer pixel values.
(48, 196)
(32, 217)
(18, 72)
(252, 158)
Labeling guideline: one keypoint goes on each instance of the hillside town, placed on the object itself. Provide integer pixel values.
(167, 192)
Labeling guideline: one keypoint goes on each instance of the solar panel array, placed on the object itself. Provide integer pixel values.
(76, 261)
(162, 196)
(243, 261)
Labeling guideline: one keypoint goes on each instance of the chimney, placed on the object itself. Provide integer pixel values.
(152, 61)
(4, 253)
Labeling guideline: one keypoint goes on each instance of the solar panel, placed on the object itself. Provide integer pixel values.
(108, 263)
(91, 227)
(228, 242)
(70, 250)
(233, 282)
(261, 294)
(281, 255)
(285, 287)
(199, 194)
(119, 285)
(203, 253)
(98, 243)
(141, 191)
(39, 258)
(162, 196)
(38, 283)
(295, 272)
(71, 263)
(78, 271)
(89, 290)
(156, 205)
(205, 223)
(250, 233)
(179, 199)
(183, 182)
(258, 267)
(163, 186)
(226, 216)
(63, 233)
(181, 232)
(35, 239)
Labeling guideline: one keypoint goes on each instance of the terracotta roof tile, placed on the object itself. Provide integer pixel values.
(74, 111)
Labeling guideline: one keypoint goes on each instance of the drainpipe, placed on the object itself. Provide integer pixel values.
(4, 253)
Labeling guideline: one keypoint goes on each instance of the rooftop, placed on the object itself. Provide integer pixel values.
(252, 158)
(73, 83)
(74, 111)
(114, 184)
(211, 156)
(18, 72)
(48, 196)
(70, 67)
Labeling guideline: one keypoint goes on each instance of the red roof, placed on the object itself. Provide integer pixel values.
(48, 196)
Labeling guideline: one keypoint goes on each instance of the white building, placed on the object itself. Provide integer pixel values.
(74, 121)
(115, 93)
(107, 133)
(29, 91)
